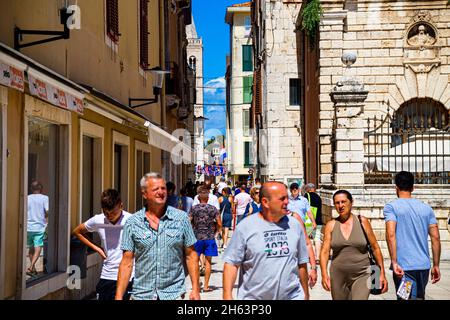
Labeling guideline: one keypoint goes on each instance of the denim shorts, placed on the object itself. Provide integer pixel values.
(419, 280)
(206, 247)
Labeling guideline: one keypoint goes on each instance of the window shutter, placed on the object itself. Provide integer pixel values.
(144, 33)
(247, 88)
(247, 63)
(112, 19)
(258, 92)
(246, 154)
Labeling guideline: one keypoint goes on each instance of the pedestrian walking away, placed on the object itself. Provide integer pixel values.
(350, 267)
(270, 249)
(409, 222)
(241, 201)
(161, 239)
(37, 220)
(109, 226)
(226, 203)
(207, 224)
(315, 202)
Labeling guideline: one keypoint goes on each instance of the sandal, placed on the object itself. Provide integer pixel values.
(31, 272)
(207, 290)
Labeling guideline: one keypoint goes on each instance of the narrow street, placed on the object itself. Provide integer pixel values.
(439, 291)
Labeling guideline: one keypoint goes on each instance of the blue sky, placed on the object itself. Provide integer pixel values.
(209, 17)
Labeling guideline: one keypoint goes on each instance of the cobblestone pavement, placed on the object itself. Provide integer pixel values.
(439, 291)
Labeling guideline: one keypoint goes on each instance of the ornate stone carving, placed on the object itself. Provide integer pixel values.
(421, 51)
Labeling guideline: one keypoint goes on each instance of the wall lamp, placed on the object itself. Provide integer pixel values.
(158, 79)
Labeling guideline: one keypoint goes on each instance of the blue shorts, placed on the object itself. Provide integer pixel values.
(419, 280)
(206, 247)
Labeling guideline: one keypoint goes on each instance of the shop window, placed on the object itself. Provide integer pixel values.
(142, 167)
(46, 201)
(120, 166)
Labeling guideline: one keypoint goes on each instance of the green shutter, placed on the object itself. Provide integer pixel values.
(246, 154)
(247, 63)
(247, 86)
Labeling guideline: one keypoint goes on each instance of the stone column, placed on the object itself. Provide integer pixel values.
(348, 97)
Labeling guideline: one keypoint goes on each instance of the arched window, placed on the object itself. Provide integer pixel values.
(192, 62)
(417, 116)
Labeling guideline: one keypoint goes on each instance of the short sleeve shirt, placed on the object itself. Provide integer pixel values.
(269, 255)
(111, 236)
(38, 204)
(203, 220)
(299, 205)
(159, 254)
(413, 218)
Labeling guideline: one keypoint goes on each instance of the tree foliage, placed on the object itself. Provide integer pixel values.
(311, 16)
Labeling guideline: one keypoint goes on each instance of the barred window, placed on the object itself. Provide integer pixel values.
(144, 33)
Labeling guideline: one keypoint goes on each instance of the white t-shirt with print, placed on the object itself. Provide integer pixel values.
(111, 236)
(212, 200)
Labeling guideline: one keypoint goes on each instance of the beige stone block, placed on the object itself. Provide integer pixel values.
(421, 84)
(403, 88)
(375, 35)
(364, 35)
(327, 35)
(445, 51)
(349, 134)
(384, 71)
(326, 123)
(343, 145)
(348, 156)
(396, 34)
(395, 94)
(328, 71)
(348, 167)
(353, 123)
(446, 95)
(331, 53)
(355, 27)
(411, 81)
(372, 44)
(380, 52)
(387, 44)
(384, 80)
(326, 168)
(325, 158)
(325, 79)
(396, 71)
(325, 140)
(356, 145)
(440, 87)
(396, 52)
(337, 44)
(353, 44)
(350, 36)
(325, 149)
(346, 179)
(325, 44)
(363, 71)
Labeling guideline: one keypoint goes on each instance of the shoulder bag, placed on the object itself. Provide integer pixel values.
(372, 260)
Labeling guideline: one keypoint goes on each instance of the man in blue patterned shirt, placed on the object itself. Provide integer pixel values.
(159, 238)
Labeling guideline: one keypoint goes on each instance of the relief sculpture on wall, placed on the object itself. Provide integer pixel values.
(421, 51)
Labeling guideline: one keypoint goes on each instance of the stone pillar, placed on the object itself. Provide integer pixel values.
(348, 97)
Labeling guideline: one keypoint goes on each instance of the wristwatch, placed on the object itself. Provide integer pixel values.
(314, 267)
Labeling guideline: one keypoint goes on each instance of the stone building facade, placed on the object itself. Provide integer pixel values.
(402, 50)
(359, 121)
(195, 62)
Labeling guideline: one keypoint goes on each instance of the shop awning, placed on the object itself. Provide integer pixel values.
(180, 151)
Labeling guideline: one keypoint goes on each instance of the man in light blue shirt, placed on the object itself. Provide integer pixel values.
(161, 239)
(300, 205)
(408, 224)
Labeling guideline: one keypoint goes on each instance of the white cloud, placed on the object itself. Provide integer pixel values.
(215, 85)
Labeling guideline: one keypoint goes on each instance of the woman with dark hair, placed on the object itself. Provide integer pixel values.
(350, 268)
(226, 202)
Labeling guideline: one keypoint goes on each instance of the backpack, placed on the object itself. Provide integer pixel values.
(308, 222)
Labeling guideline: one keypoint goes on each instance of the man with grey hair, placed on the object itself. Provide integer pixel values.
(161, 239)
(315, 202)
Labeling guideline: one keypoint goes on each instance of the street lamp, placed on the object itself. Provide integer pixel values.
(158, 79)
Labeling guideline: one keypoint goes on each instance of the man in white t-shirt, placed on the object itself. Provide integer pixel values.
(109, 226)
(241, 200)
(36, 224)
(212, 199)
(222, 184)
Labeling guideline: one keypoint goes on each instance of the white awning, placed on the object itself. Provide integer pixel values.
(421, 155)
(180, 151)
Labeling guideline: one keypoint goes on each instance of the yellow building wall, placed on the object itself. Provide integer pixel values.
(86, 58)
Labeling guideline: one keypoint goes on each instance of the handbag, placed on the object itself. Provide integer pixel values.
(372, 261)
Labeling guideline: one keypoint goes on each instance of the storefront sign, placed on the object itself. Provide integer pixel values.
(11, 77)
(54, 95)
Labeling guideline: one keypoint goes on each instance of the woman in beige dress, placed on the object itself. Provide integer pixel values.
(350, 267)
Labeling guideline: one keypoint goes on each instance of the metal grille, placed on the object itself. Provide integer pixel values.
(416, 139)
